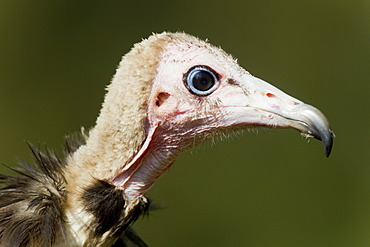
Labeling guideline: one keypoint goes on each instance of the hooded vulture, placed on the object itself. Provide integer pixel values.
(170, 92)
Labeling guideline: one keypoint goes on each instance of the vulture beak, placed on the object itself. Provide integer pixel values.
(252, 101)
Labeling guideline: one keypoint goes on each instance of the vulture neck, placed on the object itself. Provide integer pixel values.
(120, 130)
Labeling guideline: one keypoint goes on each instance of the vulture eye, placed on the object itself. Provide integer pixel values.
(201, 80)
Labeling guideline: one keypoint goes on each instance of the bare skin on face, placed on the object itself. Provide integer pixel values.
(200, 91)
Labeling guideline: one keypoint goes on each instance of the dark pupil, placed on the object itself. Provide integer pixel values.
(203, 80)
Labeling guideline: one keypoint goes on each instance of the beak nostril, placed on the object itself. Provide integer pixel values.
(161, 98)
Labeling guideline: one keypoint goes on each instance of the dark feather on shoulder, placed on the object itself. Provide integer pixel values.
(31, 203)
(107, 204)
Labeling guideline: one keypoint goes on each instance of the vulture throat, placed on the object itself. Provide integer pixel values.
(170, 92)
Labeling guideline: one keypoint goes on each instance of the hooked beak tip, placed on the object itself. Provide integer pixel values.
(313, 123)
(327, 139)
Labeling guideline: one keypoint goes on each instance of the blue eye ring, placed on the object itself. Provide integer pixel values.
(201, 80)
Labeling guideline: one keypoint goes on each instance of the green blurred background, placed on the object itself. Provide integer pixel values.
(265, 188)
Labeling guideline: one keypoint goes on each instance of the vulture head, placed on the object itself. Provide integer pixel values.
(171, 92)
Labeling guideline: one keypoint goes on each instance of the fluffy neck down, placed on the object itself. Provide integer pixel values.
(120, 132)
